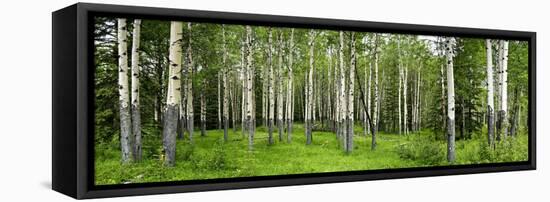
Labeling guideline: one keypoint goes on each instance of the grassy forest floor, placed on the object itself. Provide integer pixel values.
(211, 158)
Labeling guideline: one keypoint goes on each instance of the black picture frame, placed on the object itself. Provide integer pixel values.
(73, 108)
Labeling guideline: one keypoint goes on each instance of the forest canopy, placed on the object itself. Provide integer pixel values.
(183, 100)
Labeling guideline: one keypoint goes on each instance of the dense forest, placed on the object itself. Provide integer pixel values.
(184, 100)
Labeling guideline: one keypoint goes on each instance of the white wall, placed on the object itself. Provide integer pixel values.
(25, 107)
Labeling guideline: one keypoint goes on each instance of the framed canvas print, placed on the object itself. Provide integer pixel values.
(156, 100)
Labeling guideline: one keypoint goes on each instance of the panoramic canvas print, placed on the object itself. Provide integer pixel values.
(179, 101)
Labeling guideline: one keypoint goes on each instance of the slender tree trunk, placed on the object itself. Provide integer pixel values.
(400, 83)
(225, 88)
(189, 97)
(376, 102)
(271, 85)
(514, 120)
(124, 100)
(244, 90)
(280, 109)
(450, 102)
(369, 96)
(503, 126)
(203, 109)
(219, 99)
(136, 117)
(350, 124)
(234, 105)
(250, 75)
(183, 111)
(342, 122)
(405, 108)
(419, 103)
(173, 94)
(309, 101)
(490, 89)
(290, 89)
(443, 104)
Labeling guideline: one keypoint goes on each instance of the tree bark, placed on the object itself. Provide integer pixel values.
(309, 101)
(270, 87)
(220, 98)
(173, 94)
(503, 126)
(189, 97)
(400, 83)
(225, 88)
(290, 90)
(376, 105)
(450, 102)
(350, 124)
(280, 108)
(203, 109)
(250, 75)
(124, 100)
(136, 117)
(490, 98)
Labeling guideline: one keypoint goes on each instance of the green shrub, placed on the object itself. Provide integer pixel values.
(187, 152)
(507, 150)
(216, 160)
(422, 149)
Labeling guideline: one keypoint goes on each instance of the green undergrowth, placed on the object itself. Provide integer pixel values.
(210, 157)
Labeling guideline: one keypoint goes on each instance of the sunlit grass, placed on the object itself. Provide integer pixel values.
(211, 158)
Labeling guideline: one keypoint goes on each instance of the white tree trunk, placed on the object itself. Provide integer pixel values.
(173, 94)
(376, 105)
(350, 124)
(226, 92)
(189, 97)
(369, 96)
(490, 98)
(400, 83)
(280, 108)
(503, 116)
(405, 109)
(271, 85)
(342, 94)
(244, 89)
(309, 101)
(220, 75)
(136, 117)
(450, 102)
(290, 89)
(249, 78)
(124, 100)
(203, 108)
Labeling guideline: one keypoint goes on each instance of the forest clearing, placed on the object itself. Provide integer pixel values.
(188, 101)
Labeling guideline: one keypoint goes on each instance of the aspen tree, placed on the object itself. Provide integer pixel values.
(124, 100)
(349, 136)
(490, 92)
(342, 91)
(190, 72)
(136, 117)
(450, 102)
(173, 94)
(400, 82)
(225, 70)
(503, 119)
(249, 77)
(271, 84)
(290, 89)
(309, 101)
(376, 102)
(280, 86)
